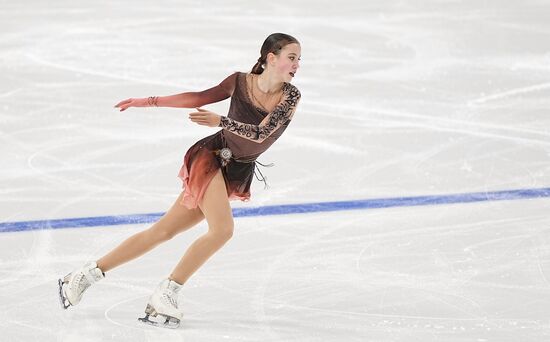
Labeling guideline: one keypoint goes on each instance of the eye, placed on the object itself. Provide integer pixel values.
(292, 58)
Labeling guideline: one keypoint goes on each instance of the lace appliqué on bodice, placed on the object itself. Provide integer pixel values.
(279, 116)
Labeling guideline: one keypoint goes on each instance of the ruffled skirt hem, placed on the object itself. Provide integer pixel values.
(201, 164)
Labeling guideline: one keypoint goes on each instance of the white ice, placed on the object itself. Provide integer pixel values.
(399, 98)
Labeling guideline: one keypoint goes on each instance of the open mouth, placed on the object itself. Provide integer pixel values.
(292, 74)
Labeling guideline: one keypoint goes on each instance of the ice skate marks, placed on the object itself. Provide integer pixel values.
(169, 322)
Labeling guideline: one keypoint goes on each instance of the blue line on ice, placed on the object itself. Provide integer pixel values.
(287, 209)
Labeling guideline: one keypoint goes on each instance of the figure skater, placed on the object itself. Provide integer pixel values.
(215, 170)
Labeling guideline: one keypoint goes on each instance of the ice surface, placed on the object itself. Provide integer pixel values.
(399, 98)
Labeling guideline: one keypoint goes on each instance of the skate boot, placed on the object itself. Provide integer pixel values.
(75, 283)
(164, 303)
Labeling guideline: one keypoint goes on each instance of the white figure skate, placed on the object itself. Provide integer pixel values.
(75, 283)
(164, 303)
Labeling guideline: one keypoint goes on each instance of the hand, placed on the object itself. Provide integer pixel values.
(123, 105)
(205, 118)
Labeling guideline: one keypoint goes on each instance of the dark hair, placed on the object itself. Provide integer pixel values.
(274, 44)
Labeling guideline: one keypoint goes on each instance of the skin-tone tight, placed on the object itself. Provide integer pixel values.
(214, 207)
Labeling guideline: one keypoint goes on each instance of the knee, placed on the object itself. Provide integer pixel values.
(228, 232)
(166, 235)
(223, 232)
(162, 235)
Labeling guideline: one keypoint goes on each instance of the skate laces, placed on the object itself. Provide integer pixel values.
(85, 278)
(169, 297)
(82, 282)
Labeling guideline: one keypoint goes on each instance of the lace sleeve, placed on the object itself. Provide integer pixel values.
(281, 115)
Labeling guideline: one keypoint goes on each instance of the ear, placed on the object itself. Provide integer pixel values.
(271, 58)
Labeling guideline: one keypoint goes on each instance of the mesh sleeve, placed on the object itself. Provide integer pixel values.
(279, 116)
(217, 93)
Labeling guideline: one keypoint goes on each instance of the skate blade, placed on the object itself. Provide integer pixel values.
(169, 322)
(63, 300)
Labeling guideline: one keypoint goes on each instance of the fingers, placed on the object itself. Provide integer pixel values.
(204, 117)
(124, 107)
(203, 123)
(200, 118)
(200, 121)
(198, 115)
(123, 103)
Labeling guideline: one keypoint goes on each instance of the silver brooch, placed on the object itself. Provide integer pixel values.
(225, 154)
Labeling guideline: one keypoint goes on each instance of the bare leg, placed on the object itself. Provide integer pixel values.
(176, 220)
(216, 209)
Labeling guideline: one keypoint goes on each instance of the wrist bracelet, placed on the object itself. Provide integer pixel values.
(153, 101)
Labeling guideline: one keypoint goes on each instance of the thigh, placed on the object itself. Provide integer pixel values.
(215, 204)
(178, 218)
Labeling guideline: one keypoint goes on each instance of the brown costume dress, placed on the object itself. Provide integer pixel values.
(247, 132)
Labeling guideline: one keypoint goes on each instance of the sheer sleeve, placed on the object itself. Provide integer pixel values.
(281, 115)
(215, 94)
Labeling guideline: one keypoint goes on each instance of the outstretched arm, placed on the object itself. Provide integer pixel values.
(184, 100)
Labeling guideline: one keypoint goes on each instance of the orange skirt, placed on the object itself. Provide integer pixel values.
(201, 164)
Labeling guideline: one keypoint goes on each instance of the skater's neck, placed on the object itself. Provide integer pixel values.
(269, 83)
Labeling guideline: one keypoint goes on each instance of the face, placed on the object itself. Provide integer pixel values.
(286, 64)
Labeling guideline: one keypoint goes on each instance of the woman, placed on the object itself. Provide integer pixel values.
(216, 169)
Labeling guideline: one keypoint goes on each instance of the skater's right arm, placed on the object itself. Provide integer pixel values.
(185, 100)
